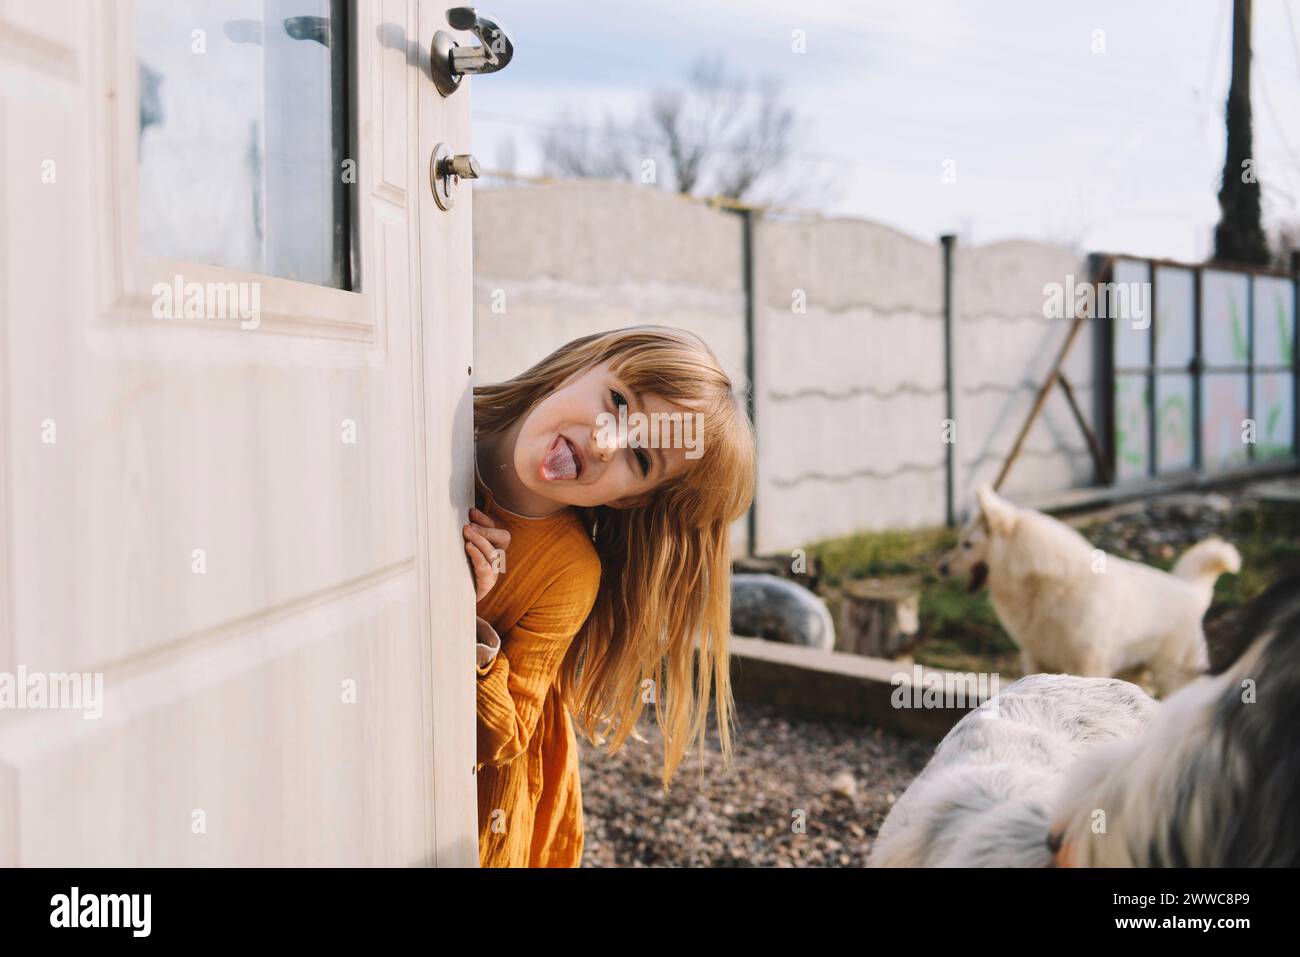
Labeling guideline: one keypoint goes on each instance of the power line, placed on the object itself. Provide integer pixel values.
(1214, 48)
(1295, 47)
(1268, 102)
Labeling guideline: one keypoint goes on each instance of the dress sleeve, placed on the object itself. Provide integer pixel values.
(487, 646)
(514, 684)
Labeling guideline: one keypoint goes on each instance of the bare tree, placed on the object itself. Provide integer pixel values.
(572, 146)
(763, 146)
(1285, 242)
(719, 134)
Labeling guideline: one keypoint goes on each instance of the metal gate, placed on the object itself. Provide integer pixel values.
(1202, 362)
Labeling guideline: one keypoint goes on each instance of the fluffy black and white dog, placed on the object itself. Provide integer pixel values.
(1091, 772)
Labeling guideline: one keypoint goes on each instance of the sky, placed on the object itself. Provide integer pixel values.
(1097, 125)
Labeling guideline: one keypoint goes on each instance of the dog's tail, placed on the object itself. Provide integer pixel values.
(1204, 562)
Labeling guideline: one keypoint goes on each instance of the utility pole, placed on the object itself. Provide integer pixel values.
(1239, 237)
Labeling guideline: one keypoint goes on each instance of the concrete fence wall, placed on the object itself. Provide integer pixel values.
(849, 354)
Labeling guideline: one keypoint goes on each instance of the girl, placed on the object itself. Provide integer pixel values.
(617, 591)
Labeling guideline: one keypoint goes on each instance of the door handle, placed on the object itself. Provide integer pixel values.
(449, 61)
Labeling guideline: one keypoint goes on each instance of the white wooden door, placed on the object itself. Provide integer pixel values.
(245, 523)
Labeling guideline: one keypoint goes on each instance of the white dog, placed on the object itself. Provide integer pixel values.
(1092, 772)
(1072, 608)
(986, 797)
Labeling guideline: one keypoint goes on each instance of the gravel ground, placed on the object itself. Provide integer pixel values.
(1159, 529)
(1164, 528)
(839, 780)
(836, 780)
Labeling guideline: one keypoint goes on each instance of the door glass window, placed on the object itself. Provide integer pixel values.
(244, 135)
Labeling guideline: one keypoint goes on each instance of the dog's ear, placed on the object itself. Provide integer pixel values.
(999, 514)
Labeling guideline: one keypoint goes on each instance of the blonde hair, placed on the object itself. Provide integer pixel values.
(666, 563)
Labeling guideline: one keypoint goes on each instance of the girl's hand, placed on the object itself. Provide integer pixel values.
(486, 546)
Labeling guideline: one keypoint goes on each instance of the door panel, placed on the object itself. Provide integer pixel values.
(447, 348)
(249, 528)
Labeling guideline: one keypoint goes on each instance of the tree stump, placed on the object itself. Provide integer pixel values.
(880, 617)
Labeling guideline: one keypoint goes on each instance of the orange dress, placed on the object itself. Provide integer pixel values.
(529, 790)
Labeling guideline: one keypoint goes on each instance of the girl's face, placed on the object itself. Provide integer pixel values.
(567, 453)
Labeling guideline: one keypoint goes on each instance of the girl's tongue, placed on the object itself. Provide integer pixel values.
(559, 463)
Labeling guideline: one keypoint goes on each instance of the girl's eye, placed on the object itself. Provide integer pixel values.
(642, 459)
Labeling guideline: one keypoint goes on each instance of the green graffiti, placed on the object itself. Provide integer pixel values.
(1174, 422)
(1239, 347)
(1131, 455)
(1283, 331)
(1173, 404)
(1126, 449)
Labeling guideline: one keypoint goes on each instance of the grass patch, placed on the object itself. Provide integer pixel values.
(872, 554)
(1269, 541)
(958, 630)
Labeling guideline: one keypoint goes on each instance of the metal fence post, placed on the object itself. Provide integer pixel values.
(747, 257)
(1295, 353)
(950, 506)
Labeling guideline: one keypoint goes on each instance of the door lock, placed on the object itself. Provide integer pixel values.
(446, 170)
(449, 61)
